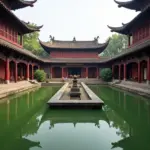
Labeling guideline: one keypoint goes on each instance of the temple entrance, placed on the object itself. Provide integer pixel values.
(57, 72)
(74, 71)
(132, 71)
(92, 72)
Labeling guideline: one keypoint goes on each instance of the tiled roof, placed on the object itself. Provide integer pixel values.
(18, 49)
(77, 45)
(26, 28)
(131, 50)
(17, 4)
(127, 28)
(137, 5)
(74, 60)
(125, 52)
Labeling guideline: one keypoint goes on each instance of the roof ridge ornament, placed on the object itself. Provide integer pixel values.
(96, 39)
(74, 39)
(52, 38)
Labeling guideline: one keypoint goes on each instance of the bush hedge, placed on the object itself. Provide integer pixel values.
(106, 74)
(40, 75)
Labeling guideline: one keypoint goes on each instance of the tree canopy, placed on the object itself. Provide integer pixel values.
(31, 43)
(116, 45)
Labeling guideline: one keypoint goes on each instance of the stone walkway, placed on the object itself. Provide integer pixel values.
(140, 88)
(12, 88)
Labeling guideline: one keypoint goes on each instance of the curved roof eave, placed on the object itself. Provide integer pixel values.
(100, 47)
(31, 28)
(125, 28)
(120, 30)
(104, 46)
(21, 4)
(132, 4)
(25, 27)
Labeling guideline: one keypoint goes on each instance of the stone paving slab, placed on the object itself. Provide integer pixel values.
(13, 88)
(143, 90)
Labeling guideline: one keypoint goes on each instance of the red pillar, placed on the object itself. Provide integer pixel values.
(16, 71)
(62, 72)
(139, 72)
(7, 71)
(125, 72)
(32, 72)
(119, 71)
(86, 72)
(28, 76)
(148, 70)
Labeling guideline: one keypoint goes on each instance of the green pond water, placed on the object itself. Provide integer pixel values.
(26, 123)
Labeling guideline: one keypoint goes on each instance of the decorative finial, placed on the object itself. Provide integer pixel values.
(74, 38)
(123, 24)
(52, 38)
(96, 39)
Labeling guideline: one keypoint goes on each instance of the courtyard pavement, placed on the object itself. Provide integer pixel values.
(12, 88)
(140, 88)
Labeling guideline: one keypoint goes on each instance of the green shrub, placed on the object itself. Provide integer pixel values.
(106, 74)
(40, 75)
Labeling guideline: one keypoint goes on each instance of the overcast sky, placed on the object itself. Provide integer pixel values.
(84, 19)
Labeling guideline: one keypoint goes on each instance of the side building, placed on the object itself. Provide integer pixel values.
(68, 58)
(134, 63)
(15, 63)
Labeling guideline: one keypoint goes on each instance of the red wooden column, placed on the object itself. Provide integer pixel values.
(125, 72)
(119, 71)
(32, 72)
(148, 70)
(16, 71)
(7, 71)
(28, 76)
(86, 72)
(62, 72)
(139, 72)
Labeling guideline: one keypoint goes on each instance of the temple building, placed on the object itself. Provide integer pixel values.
(134, 63)
(15, 62)
(68, 58)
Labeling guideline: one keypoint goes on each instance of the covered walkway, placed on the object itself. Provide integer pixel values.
(12, 70)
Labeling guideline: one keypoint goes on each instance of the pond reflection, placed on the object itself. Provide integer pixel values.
(27, 123)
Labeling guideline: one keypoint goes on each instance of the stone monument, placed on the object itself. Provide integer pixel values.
(75, 90)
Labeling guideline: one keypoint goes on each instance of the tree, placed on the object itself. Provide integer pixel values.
(116, 45)
(106, 74)
(31, 43)
(40, 75)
